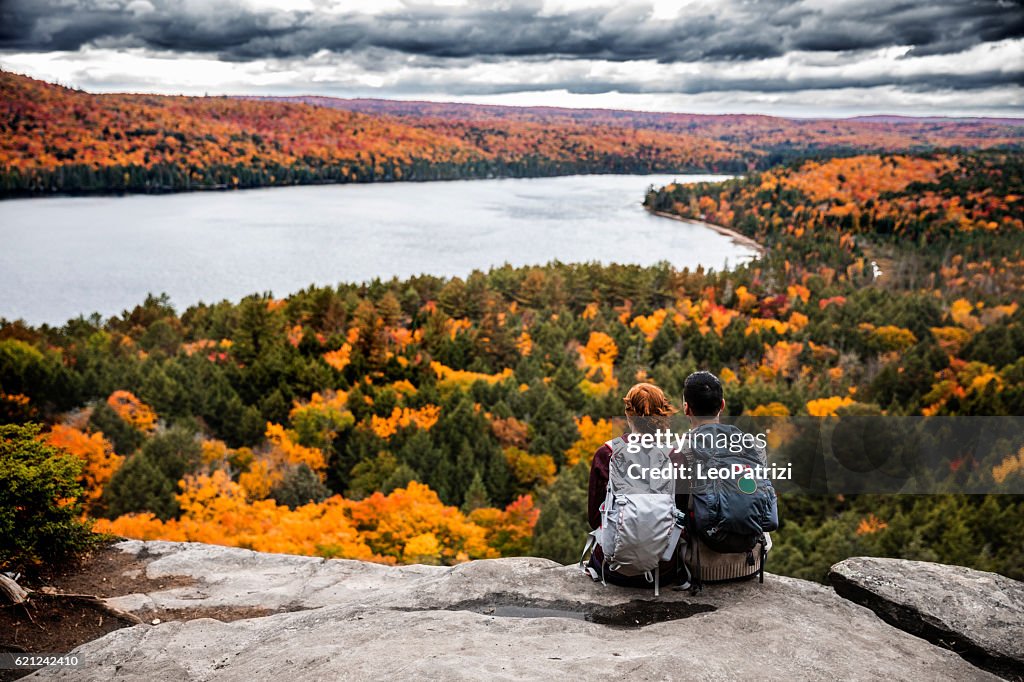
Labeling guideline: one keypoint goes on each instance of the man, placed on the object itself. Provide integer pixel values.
(703, 404)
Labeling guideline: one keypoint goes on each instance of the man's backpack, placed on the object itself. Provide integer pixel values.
(729, 515)
(638, 516)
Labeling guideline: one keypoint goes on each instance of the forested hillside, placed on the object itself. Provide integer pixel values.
(435, 420)
(761, 141)
(55, 139)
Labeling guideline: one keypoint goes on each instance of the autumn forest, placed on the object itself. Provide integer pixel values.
(54, 139)
(437, 420)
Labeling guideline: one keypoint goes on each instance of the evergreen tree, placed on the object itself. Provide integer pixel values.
(299, 486)
(40, 516)
(562, 527)
(476, 495)
(123, 436)
(175, 452)
(141, 485)
(554, 430)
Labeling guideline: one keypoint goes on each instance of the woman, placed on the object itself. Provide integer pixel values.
(647, 410)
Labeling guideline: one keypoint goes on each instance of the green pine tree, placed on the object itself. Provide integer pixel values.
(562, 527)
(476, 495)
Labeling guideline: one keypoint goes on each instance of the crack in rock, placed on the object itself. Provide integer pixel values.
(633, 614)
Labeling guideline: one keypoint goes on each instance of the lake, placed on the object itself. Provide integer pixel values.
(61, 257)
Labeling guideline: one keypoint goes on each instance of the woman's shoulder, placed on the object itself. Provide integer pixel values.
(604, 452)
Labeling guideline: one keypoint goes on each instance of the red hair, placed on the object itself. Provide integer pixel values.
(647, 400)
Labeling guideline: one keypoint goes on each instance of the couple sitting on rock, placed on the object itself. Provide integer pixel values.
(651, 529)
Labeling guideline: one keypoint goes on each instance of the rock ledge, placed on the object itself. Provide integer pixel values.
(979, 615)
(503, 618)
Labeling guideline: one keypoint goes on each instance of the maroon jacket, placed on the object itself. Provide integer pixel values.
(598, 485)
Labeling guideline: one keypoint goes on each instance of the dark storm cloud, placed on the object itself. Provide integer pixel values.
(692, 85)
(735, 31)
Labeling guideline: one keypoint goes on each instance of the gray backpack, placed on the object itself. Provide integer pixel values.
(639, 525)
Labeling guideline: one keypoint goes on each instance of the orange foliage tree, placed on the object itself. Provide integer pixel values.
(101, 462)
(132, 410)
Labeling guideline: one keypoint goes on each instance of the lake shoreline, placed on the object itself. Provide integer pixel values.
(165, 190)
(736, 237)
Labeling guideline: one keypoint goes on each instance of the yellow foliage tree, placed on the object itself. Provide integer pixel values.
(891, 337)
(593, 434)
(781, 359)
(285, 451)
(961, 311)
(422, 549)
(951, 339)
(651, 324)
(1009, 465)
(401, 417)
(449, 378)
(826, 407)
(530, 470)
(770, 410)
(387, 523)
(510, 532)
(598, 360)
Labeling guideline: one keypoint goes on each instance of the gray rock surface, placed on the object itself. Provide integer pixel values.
(229, 576)
(369, 621)
(977, 614)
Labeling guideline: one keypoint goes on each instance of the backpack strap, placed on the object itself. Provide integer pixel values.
(764, 557)
(673, 542)
(693, 540)
(683, 582)
(588, 549)
(697, 584)
(615, 445)
(593, 536)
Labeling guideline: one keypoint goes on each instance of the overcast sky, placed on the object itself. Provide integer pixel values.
(807, 58)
